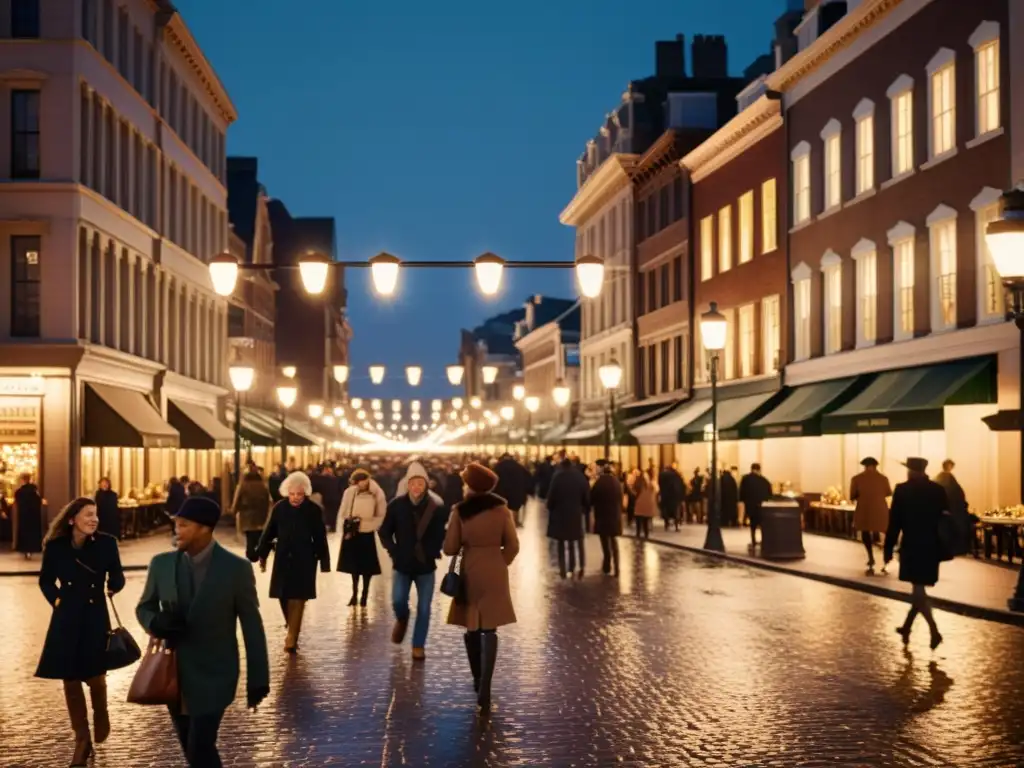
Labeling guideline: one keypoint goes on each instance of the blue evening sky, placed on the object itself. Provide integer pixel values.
(439, 131)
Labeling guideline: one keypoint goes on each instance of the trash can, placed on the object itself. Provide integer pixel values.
(781, 530)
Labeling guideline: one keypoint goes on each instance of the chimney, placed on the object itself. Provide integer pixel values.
(670, 57)
(710, 56)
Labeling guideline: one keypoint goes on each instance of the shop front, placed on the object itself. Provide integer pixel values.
(264, 431)
(206, 446)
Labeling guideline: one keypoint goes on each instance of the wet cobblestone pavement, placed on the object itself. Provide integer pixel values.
(681, 662)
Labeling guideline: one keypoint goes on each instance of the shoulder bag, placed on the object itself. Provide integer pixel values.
(122, 650)
(451, 584)
(156, 679)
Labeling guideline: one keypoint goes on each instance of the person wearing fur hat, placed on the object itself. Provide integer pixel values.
(483, 530)
(413, 534)
(296, 534)
(365, 506)
(194, 599)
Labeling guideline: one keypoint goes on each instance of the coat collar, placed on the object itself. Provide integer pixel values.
(474, 505)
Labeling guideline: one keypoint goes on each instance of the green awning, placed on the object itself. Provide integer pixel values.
(912, 399)
(734, 416)
(800, 413)
(259, 428)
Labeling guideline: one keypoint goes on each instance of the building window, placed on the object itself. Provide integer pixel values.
(108, 30)
(832, 272)
(747, 346)
(802, 312)
(641, 295)
(663, 207)
(25, 134)
(707, 247)
(831, 135)
(652, 290)
(122, 42)
(664, 371)
(677, 278)
(678, 363)
(801, 158)
(771, 334)
(985, 42)
(652, 370)
(901, 239)
(725, 239)
(24, 19)
(652, 222)
(864, 119)
(901, 99)
(26, 281)
(677, 198)
(942, 100)
(990, 287)
(866, 257)
(665, 286)
(769, 215)
(746, 205)
(641, 213)
(942, 246)
(89, 21)
(641, 365)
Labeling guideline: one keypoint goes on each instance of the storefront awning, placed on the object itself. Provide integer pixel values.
(586, 430)
(665, 430)
(734, 416)
(258, 428)
(555, 435)
(912, 399)
(646, 415)
(800, 413)
(122, 418)
(198, 427)
(299, 436)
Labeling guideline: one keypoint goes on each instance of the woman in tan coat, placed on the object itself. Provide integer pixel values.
(646, 504)
(869, 490)
(482, 528)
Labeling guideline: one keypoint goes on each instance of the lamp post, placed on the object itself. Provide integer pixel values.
(286, 396)
(610, 375)
(532, 404)
(713, 332)
(241, 381)
(1005, 240)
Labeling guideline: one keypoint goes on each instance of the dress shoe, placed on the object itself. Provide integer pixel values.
(398, 631)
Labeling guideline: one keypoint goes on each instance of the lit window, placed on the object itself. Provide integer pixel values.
(770, 334)
(746, 333)
(831, 135)
(901, 95)
(725, 239)
(985, 42)
(832, 270)
(865, 146)
(769, 213)
(707, 247)
(746, 227)
(901, 238)
(729, 353)
(801, 183)
(802, 317)
(942, 234)
(866, 257)
(943, 108)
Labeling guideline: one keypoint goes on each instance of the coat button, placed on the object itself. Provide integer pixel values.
(90, 601)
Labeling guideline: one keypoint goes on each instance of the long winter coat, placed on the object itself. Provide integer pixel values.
(252, 505)
(370, 515)
(482, 527)
(606, 499)
(568, 500)
(330, 491)
(543, 475)
(730, 499)
(413, 534)
(960, 511)
(646, 502)
(914, 516)
(672, 493)
(515, 482)
(28, 519)
(755, 490)
(870, 489)
(299, 540)
(109, 513)
(76, 641)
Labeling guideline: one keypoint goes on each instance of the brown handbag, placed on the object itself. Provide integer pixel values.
(156, 679)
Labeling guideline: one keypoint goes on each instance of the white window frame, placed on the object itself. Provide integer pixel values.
(747, 345)
(771, 334)
(865, 256)
(725, 238)
(801, 277)
(942, 64)
(769, 216)
(986, 208)
(986, 37)
(729, 367)
(745, 205)
(707, 247)
(902, 87)
(943, 281)
(800, 158)
(832, 304)
(902, 236)
(864, 165)
(832, 163)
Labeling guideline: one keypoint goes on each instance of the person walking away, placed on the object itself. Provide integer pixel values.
(545, 469)
(958, 508)
(363, 502)
(730, 497)
(755, 490)
(28, 518)
(326, 484)
(870, 489)
(413, 533)
(671, 494)
(194, 600)
(452, 491)
(515, 484)
(646, 505)
(251, 507)
(295, 533)
(628, 481)
(695, 499)
(914, 520)
(606, 500)
(108, 510)
(274, 482)
(80, 563)
(568, 499)
(482, 528)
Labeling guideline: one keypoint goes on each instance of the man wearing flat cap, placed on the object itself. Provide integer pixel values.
(869, 490)
(194, 599)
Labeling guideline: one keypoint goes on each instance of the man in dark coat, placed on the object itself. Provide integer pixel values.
(326, 484)
(545, 469)
(108, 510)
(958, 508)
(606, 499)
(515, 484)
(730, 497)
(915, 516)
(451, 491)
(28, 518)
(671, 493)
(755, 490)
(568, 501)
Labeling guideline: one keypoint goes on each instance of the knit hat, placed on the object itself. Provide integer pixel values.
(416, 470)
(200, 509)
(357, 475)
(479, 478)
(296, 481)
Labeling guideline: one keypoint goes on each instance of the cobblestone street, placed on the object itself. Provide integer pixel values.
(681, 662)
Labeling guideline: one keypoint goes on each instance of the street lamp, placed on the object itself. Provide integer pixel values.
(713, 331)
(341, 373)
(610, 375)
(489, 267)
(384, 271)
(475, 402)
(241, 377)
(224, 273)
(286, 396)
(457, 403)
(489, 373)
(376, 373)
(455, 373)
(315, 410)
(507, 412)
(590, 275)
(357, 403)
(532, 404)
(1005, 240)
(518, 392)
(561, 394)
(313, 268)
(289, 371)
(413, 373)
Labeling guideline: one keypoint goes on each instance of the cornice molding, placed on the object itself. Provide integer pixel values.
(178, 33)
(750, 126)
(611, 176)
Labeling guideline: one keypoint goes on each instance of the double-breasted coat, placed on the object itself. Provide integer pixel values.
(606, 499)
(482, 527)
(299, 541)
(914, 516)
(74, 583)
(568, 500)
(870, 489)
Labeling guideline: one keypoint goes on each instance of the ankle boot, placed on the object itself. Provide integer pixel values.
(74, 697)
(100, 715)
(488, 657)
(472, 640)
(366, 591)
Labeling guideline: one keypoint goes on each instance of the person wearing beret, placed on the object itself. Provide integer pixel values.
(364, 503)
(482, 528)
(194, 599)
(870, 489)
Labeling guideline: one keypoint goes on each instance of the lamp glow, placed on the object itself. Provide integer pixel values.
(435, 405)
(590, 275)
(289, 371)
(396, 405)
(286, 395)
(241, 377)
(357, 402)
(532, 403)
(384, 271)
(507, 412)
(713, 328)
(561, 394)
(376, 373)
(341, 373)
(474, 402)
(328, 420)
(456, 403)
(361, 414)
(455, 373)
(518, 392)
(413, 373)
(224, 273)
(313, 268)
(489, 268)
(316, 410)
(489, 373)
(1005, 237)
(338, 411)
(610, 375)
(415, 406)
(375, 404)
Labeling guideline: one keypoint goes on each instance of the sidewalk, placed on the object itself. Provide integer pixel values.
(972, 587)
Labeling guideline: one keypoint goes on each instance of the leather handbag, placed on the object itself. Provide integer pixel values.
(451, 584)
(122, 650)
(350, 528)
(156, 679)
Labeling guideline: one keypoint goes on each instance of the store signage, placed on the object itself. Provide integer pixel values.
(790, 429)
(872, 423)
(20, 386)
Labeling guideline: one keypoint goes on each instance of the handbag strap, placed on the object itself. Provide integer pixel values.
(454, 562)
(114, 608)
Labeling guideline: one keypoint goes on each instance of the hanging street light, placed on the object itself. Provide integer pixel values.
(375, 404)
(561, 394)
(455, 373)
(489, 373)
(356, 402)
(415, 406)
(518, 392)
(289, 371)
(376, 373)
(341, 373)
(384, 271)
(413, 373)
(532, 403)
(488, 267)
(396, 405)
(590, 275)
(316, 410)
(507, 412)
(338, 411)
(713, 333)
(313, 268)
(456, 403)
(435, 405)
(328, 420)
(475, 402)
(224, 273)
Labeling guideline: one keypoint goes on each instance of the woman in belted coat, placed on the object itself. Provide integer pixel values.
(482, 528)
(80, 565)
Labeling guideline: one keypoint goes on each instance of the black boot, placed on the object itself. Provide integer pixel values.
(366, 592)
(488, 657)
(472, 640)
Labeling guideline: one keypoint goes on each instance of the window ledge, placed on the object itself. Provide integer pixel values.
(867, 193)
(897, 179)
(802, 225)
(985, 137)
(948, 155)
(865, 344)
(770, 250)
(830, 211)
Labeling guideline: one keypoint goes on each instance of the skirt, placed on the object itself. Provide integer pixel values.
(359, 555)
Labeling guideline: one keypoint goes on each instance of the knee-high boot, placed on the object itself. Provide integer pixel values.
(473, 651)
(74, 696)
(100, 715)
(488, 657)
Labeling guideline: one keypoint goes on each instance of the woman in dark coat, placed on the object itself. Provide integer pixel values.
(78, 563)
(914, 519)
(606, 499)
(296, 533)
(109, 512)
(568, 501)
(28, 518)
(251, 506)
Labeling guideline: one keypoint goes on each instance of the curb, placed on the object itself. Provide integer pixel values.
(951, 606)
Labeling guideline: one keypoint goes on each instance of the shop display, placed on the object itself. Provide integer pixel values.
(15, 460)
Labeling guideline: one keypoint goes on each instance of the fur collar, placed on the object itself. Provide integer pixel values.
(474, 505)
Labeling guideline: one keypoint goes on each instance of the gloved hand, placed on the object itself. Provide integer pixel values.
(167, 625)
(256, 696)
